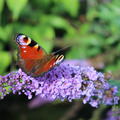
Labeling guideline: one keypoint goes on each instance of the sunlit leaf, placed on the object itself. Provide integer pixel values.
(92, 13)
(54, 20)
(5, 60)
(16, 6)
(69, 6)
(6, 32)
(1, 5)
(58, 22)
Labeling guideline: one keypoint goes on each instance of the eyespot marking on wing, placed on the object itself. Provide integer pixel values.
(27, 40)
(59, 59)
(21, 39)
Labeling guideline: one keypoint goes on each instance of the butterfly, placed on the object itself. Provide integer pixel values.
(33, 59)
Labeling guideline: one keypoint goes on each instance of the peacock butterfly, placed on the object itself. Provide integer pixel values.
(33, 59)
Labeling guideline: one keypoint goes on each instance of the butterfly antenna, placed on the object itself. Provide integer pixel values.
(62, 49)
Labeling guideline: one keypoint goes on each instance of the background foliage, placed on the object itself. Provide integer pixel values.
(90, 27)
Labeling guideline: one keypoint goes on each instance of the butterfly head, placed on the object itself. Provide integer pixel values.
(22, 39)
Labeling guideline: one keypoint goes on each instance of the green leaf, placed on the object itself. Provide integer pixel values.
(53, 20)
(76, 52)
(42, 4)
(5, 32)
(57, 22)
(16, 6)
(71, 6)
(5, 60)
(1, 46)
(112, 39)
(92, 13)
(8, 88)
(1, 5)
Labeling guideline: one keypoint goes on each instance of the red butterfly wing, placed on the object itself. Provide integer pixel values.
(27, 65)
(46, 64)
(29, 53)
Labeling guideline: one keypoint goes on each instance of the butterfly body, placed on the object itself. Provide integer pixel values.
(33, 59)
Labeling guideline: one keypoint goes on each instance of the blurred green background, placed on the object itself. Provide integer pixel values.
(90, 27)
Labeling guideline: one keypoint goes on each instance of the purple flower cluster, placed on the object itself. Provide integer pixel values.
(113, 114)
(62, 82)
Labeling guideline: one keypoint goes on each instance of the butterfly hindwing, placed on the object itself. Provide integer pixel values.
(26, 65)
(46, 64)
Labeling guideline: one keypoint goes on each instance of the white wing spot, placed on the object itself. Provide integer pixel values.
(59, 59)
(23, 46)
